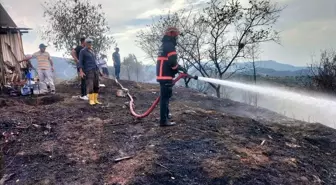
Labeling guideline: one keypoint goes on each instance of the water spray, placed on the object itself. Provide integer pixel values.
(324, 109)
(279, 93)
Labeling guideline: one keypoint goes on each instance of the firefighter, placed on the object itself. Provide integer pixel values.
(166, 69)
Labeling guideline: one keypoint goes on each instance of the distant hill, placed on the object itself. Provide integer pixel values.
(270, 64)
(64, 70)
(272, 72)
(271, 68)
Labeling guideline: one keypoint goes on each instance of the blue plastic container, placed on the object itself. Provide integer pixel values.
(29, 76)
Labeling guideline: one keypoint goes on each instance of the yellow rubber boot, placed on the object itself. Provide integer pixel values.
(91, 99)
(96, 98)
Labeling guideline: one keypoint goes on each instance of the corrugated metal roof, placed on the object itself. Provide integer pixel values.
(14, 28)
(5, 19)
(11, 48)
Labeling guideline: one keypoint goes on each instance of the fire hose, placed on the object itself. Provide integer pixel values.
(154, 104)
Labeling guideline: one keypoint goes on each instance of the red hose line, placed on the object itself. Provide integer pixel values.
(151, 108)
(154, 104)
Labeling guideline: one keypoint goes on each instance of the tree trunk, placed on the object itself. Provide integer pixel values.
(254, 74)
(186, 83)
(218, 91)
(128, 73)
(254, 67)
(254, 78)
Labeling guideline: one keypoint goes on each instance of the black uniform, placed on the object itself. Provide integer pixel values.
(166, 68)
(83, 81)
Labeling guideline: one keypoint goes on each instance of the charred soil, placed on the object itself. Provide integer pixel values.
(58, 139)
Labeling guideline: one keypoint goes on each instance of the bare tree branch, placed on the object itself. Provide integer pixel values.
(215, 38)
(324, 71)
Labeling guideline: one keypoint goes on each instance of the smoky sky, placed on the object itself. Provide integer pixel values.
(306, 26)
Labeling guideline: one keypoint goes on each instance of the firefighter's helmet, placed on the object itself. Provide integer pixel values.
(172, 32)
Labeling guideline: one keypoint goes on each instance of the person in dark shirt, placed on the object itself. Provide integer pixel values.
(89, 70)
(75, 56)
(116, 63)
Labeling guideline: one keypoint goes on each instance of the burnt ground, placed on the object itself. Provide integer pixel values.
(62, 140)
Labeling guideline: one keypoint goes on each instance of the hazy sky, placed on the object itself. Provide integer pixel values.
(306, 26)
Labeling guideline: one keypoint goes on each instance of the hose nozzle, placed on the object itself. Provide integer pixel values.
(188, 76)
(191, 77)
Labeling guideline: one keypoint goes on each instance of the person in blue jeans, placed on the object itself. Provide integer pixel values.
(75, 55)
(117, 63)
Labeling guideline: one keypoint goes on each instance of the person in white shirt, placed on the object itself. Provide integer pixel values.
(102, 64)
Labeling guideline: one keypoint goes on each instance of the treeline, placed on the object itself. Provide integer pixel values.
(323, 72)
(135, 70)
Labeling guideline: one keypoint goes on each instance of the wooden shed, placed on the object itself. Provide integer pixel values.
(11, 50)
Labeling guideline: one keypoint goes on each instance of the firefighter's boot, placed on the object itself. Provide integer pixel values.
(167, 124)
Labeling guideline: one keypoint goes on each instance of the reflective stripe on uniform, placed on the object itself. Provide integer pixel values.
(160, 77)
(161, 67)
(162, 58)
(171, 53)
(164, 77)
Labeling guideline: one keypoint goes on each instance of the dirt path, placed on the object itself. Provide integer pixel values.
(64, 141)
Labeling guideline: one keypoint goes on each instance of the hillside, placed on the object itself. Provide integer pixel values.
(66, 71)
(275, 73)
(270, 64)
(61, 140)
(272, 68)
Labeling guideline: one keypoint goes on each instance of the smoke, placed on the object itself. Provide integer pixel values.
(296, 105)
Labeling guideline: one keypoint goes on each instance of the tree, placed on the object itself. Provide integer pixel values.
(192, 45)
(69, 20)
(233, 28)
(324, 72)
(253, 53)
(133, 68)
(220, 35)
